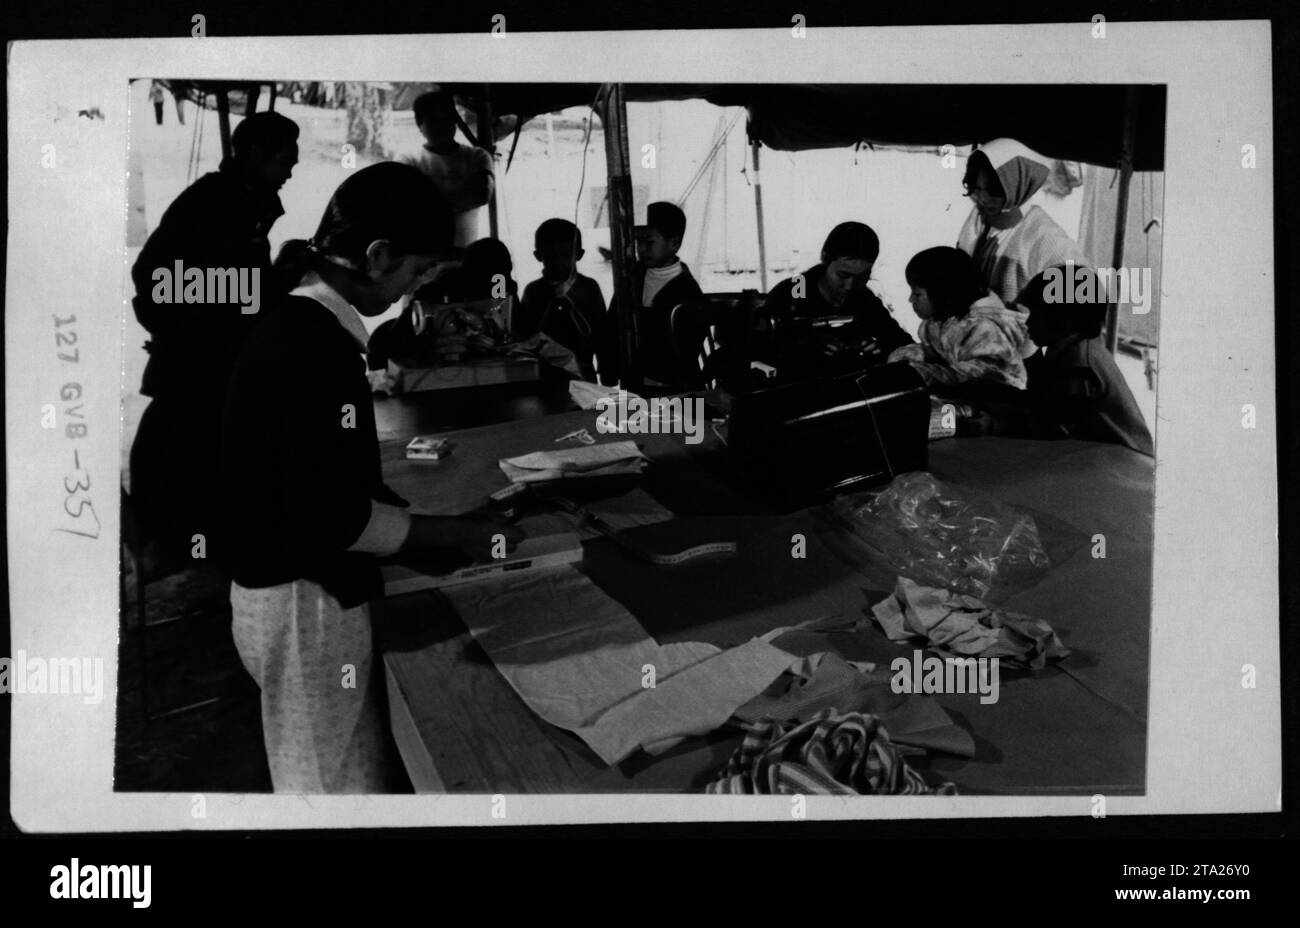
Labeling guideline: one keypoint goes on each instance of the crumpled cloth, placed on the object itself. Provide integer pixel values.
(828, 755)
(546, 349)
(965, 626)
(600, 460)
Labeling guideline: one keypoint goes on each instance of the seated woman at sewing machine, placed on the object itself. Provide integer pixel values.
(827, 319)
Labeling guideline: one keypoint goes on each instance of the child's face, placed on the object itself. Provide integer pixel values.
(1045, 326)
(920, 301)
(653, 250)
(558, 257)
(844, 276)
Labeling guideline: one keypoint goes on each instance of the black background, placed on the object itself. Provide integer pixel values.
(908, 864)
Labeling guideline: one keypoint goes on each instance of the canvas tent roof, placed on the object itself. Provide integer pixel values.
(1072, 122)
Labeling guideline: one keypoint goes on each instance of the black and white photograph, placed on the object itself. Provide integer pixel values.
(567, 437)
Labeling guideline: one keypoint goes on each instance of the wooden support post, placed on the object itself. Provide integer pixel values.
(1128, 144)
(487, 141)
(758, 210)
(223, 121)
(621, 242)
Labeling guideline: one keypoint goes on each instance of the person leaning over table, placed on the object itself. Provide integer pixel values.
(307, 508)
(836, 286)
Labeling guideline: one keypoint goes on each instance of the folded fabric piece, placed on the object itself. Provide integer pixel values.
(581, 661)
(618, 457)
(830, 754)
(965, 626)
(587, 395)
(827, 681)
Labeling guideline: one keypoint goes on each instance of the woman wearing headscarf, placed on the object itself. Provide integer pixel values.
(1011, 243)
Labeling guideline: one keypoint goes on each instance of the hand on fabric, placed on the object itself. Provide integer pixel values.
(473, 535)
(476, 535)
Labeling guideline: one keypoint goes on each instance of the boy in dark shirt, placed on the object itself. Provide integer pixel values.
(1075, 388)
(563, 304)
(662, 281)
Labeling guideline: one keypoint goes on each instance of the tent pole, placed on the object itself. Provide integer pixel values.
(487, 139)
(223, 121)
(758, 209)
(618, 164)
(1121, 210)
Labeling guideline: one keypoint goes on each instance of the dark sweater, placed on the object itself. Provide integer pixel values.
(794, 347)
(217, 222)
(1079, 392)
(655, 348)
(298, 482)
(576, 320)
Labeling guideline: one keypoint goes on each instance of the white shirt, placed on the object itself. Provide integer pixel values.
(655, 278)
(452, 175)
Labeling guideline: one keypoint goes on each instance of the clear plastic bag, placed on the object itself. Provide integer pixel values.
(946, 537)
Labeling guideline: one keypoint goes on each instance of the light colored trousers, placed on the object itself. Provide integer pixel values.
(322, 706)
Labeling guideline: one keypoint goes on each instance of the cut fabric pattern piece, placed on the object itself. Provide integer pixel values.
(692, 701)
(579, 660)
(827, 681)
(830, 754)
(963, 626)
(619, 457)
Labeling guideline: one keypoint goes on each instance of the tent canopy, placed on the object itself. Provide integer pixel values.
(1072, 122)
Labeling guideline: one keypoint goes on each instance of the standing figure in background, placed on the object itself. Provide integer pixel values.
(156, 96)
(461, 174)
(563, 304)
(179, 89)
(661, 282)
(1011, 244)
(217, 225)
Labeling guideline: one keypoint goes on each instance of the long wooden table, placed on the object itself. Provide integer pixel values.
(1076, 728)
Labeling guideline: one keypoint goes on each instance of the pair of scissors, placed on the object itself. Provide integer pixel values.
(581, 435)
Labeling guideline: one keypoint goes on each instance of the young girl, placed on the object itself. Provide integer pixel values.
(967, 334)
(306, 505)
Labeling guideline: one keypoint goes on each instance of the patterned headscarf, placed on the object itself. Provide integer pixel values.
(1020, 170)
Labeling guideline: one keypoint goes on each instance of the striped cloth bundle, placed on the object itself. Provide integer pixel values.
(830, 754)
